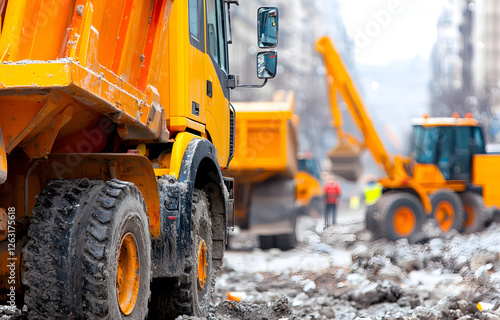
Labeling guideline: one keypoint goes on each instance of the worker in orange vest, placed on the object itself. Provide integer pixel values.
(332, 194)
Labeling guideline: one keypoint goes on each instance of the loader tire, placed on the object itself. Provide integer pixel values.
(191, 295)
(88, 252)
(370, 222)
(399, 215)
(477, 215)
(448, 210)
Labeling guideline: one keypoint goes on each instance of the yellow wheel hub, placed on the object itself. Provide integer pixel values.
(127, 275)
(404, 221)
(202, 264)
(445, 215)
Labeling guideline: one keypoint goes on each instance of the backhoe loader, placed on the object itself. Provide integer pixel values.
(115, 125)
(448, 175)
(270, 190)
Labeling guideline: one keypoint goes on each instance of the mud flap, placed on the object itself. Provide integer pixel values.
(272, 207)
(3, 160)
(229, 199)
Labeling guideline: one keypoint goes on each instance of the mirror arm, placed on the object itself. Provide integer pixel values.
(232, 83)
(252, 85)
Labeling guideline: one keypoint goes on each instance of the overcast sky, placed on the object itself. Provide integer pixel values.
(388, 30)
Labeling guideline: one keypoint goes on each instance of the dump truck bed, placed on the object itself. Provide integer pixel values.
(94, 65)
(266, 141)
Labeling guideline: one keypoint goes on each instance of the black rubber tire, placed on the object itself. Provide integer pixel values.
(370, 222)
(188, 297)
(266, 242)
(74, 236)
(282, 241)
(316, 207)
(482, 216)
(387, 205)
(453, 199)
(285, 242)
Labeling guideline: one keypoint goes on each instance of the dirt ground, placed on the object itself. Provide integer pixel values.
(340, 273)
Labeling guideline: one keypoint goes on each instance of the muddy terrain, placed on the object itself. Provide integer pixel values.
(341, 273)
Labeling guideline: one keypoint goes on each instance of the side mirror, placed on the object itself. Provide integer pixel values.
(267, 27)
(266, 64)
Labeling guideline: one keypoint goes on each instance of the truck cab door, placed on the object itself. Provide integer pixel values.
(217, 91)
(197, 61)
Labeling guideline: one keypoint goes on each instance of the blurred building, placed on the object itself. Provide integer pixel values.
(488, 42)
(488, 60)
(470, 83)
(300, 68)
(447, 63)
(447, 76)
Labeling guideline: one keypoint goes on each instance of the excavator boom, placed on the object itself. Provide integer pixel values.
(345, 156)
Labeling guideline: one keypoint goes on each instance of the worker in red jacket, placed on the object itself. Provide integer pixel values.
(332, 194)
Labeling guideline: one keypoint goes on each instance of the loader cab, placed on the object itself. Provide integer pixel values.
(448, 146)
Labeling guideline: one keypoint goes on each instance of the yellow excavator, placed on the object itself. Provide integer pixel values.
(448, 175)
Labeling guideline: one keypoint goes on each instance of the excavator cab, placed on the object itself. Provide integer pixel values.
(448, 146)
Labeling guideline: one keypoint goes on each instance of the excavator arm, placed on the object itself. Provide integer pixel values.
(346, 154)
(340, 80)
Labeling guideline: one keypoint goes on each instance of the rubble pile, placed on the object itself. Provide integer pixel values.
(342, 274)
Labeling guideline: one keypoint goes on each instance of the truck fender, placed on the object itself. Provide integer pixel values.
(200, 169)
(132, 168)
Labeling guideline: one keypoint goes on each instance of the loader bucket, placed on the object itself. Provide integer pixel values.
(346, 162)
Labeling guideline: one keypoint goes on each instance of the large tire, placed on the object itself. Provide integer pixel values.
(448, 210)
(477, 215)
(316, 207)
(266, 242)
(370, 222)
(287, 241)
(192, 293)
(79, 232)
(398, 215)
(284, 242)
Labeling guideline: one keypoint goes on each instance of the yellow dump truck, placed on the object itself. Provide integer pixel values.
(448, 175)
(265, 170)
(115, 123)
